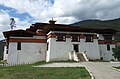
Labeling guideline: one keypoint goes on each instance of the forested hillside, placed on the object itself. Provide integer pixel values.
(111, 24)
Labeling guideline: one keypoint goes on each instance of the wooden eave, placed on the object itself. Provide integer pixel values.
(56, 27)
(18, 33)
(62, 27)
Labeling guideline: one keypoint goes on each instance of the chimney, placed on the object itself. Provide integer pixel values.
(52, 21)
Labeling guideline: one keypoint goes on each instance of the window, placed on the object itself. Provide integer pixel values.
(75, 39)
(60, 38)
(108, 37)
(19, 46)
(108, 47)
(89, 38)
(7, 50)
(76, 47)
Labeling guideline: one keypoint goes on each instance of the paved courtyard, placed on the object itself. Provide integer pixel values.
(100, 70)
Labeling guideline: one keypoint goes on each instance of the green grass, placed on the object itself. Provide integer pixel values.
(3, 62)
(98, 60)
(39, 63)
(117, 67)
(29, 72)
(67, 61)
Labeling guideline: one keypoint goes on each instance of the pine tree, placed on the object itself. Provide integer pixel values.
(12, 23)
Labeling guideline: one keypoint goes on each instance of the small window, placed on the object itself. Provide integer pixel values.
(108, 47)
(76, 47)
(75, 39)
(19, 46)
(60, 38)
(89, 39)
(7, 50)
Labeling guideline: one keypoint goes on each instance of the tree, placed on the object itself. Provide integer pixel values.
(116, 52)
(12, 23)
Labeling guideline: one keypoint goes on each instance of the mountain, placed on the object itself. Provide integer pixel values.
(111, 24)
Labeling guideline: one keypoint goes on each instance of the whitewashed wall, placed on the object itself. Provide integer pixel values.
(5, 55)
(104, 53)
(90, 48)
(107, 55)
(29, 53)
(60, 50)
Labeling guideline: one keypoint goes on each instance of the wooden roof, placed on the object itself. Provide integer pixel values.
(61, 27)
(19, 33)
(45, 27)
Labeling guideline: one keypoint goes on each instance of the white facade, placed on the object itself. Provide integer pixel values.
(104, 53)
(5, 55)
(29, 53)
(60, 50)
(53, 50)
(90, 48)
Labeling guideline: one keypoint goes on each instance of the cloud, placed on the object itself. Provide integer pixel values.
(33, 7)
(42, 10)
(4, 20)
(64, 11)
(5, 23)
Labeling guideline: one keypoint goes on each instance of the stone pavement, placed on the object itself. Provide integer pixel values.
(100, 70)
(103, 70)
(61, 65)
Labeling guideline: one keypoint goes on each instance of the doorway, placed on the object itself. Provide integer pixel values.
(76, 47)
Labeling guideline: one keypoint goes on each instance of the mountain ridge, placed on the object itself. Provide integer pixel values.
(99, 24)
(95, 23)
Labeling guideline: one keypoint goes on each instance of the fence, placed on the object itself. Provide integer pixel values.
(14, 64)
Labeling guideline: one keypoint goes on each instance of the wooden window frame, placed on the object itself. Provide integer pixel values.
(60, 38)
(75, 39)
(89, 38)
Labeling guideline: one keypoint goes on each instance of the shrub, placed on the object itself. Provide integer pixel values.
(116, 53)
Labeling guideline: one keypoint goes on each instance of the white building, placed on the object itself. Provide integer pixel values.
(57, 42)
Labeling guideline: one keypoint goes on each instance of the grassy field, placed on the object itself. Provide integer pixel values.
(117, 67)
(29, 72)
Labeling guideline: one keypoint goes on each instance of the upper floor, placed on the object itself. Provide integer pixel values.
(40, 32)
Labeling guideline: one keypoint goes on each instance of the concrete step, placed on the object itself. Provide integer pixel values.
(81, 57)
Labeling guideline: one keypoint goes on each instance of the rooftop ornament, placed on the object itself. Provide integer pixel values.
(52, 21)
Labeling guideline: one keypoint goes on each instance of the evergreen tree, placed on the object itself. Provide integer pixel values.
(116, 52)
(12, 23)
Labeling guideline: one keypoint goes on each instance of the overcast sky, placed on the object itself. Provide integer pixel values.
(27, 12)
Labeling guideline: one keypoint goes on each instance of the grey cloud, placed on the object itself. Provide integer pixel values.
(64, 11)
(87, 9)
